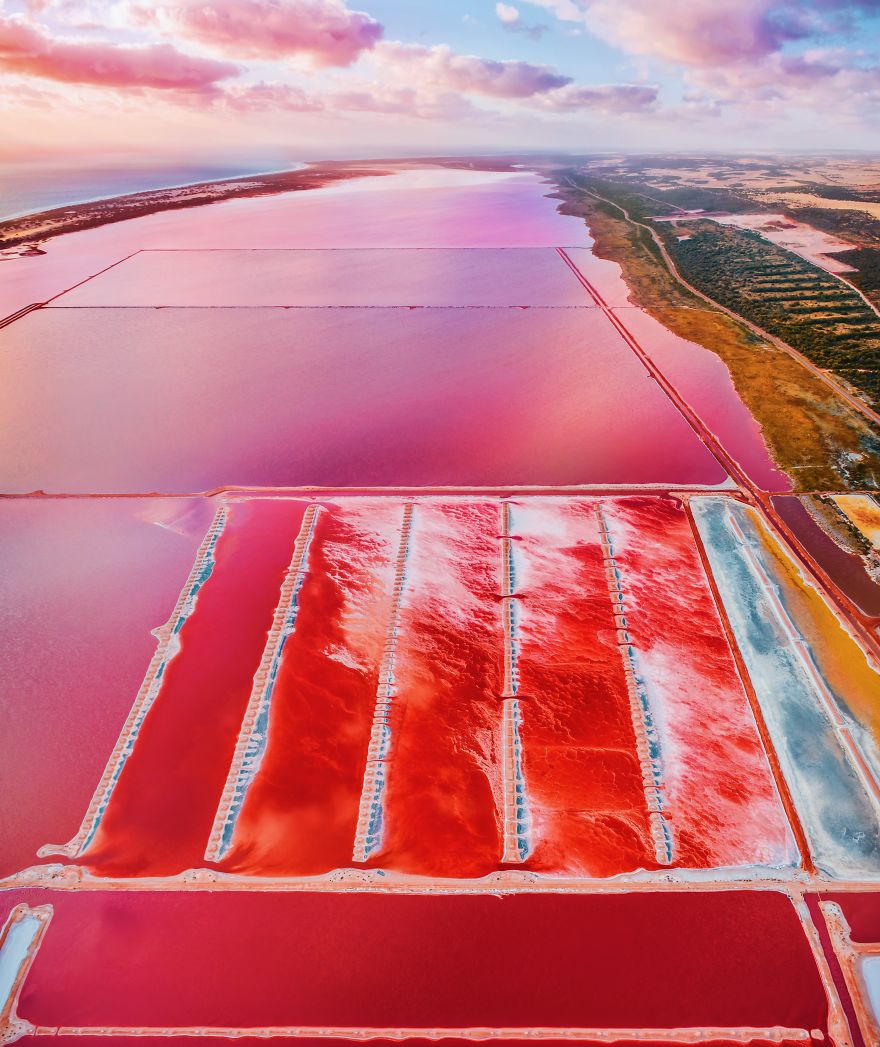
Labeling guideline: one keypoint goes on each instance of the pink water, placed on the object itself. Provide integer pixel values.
(704, 382)
(188, 400)
(490, 276)
(435, 208)
(415, 208)
(82, 585)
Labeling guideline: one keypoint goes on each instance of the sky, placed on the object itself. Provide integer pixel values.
(287, 80)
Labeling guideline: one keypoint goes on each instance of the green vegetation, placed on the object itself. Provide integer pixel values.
(802, 305)
(867, 261)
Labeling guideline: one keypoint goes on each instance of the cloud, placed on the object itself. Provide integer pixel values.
(361, 97)
(324, 31)
(441, 67)
(811, 81)
(602, 98)
(708, 33)
(511, 19)
(700, 33)
(753, 56)
(564, 10)
(29, 49)
(265, 97)
(405, 102)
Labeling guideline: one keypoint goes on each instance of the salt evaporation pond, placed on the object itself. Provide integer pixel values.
(436, 208)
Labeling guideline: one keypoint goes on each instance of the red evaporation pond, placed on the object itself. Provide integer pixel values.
(176, 400)
(83, 583)
(846, 570)
(341, 960)
(361, 277)
(164, 803)
(437, 208)
(412, 1041)
(446, 799)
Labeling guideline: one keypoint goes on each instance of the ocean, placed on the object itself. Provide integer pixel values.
(28, 188)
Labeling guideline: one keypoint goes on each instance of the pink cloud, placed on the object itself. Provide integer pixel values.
(442, 67)
(270, 97)
(696, 32)
(325, 31)
(602, 98)
(809, 81)
(29, 49)
(377, 99)
(403, 101)
(707, 33)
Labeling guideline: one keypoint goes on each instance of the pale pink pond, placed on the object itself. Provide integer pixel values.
(605, 277)
(188, 400)
(355, 277)
(82, 584)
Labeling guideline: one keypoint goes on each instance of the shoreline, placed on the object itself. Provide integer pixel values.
(31, 230)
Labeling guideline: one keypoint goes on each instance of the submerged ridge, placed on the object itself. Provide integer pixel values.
(251, 743)
(368, 836)
(647, 740)
(517, 845)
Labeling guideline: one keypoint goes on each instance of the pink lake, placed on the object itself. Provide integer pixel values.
(333, 247)
(477, 276)
(434, 207)
(188, 400)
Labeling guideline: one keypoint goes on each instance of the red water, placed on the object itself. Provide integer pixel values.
(336, 277)
(862, 913)
(858, 906)
(725, 808)
(334, 397)
(164, 803)
(82, 585)
(443, 804)
(367, 960)
(301, 810)
(443, 789)
(586, 800)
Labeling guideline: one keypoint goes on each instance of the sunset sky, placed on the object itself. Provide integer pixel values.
(290, 79)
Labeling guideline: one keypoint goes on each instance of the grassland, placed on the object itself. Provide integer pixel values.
(813, 434)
